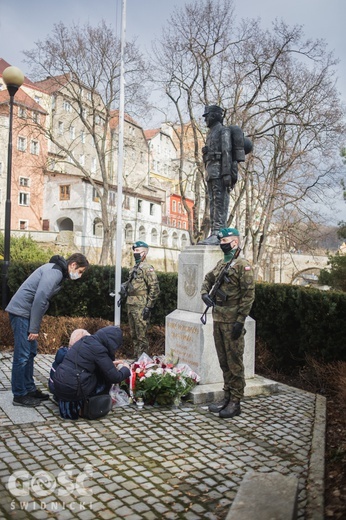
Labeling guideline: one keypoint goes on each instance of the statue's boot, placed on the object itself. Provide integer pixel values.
(212, 240)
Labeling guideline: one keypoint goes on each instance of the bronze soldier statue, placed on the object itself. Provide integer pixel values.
(225, 146)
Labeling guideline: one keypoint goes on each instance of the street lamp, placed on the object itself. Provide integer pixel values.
(13, 78)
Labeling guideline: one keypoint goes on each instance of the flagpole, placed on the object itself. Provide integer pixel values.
(118, 240)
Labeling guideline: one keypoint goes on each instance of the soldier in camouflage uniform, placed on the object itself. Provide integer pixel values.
(231, 307)
(142, 290)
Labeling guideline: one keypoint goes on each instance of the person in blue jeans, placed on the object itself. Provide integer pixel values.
(26, 310)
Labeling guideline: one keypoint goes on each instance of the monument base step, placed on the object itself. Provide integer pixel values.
(257, 385)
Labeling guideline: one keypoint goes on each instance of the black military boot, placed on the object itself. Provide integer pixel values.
(219, 405)
(231, 410)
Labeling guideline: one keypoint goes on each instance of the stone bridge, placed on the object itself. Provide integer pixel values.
(294, 268)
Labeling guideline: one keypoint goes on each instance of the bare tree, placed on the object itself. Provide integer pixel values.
(276, 85)
(82, 64)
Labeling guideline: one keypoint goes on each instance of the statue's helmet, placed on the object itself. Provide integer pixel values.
(213, 109)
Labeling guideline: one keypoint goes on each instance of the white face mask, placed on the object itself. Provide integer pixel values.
(74, 275)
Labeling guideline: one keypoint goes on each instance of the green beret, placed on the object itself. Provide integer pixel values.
(228, 232)
(140, 244)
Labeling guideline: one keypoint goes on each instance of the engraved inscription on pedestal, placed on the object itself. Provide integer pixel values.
(181, 337)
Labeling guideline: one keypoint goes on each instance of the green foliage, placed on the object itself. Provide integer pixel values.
(341, 230)
(25, 249)
(295, 322)
(90, 295)
(335, 277)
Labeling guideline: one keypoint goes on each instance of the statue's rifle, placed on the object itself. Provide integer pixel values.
(218, 282)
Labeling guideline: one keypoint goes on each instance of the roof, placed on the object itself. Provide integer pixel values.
(4, 64)
(114, 122)
(22, 99)
(53, 83)
(150, 134)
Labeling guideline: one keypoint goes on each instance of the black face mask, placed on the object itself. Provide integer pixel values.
(137, 257)
(226, 248)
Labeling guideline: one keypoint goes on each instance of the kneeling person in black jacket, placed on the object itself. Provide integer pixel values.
(88, 369)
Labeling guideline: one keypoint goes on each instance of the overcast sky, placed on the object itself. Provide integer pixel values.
(23, 22)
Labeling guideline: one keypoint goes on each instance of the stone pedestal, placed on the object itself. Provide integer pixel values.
(192, 342)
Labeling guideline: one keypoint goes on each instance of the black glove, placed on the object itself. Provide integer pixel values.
(237, 330)
(146, 313)
(123, 289)
(227, 181)
(207, 300)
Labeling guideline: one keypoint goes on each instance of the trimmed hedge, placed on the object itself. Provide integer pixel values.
(293, 321)
(296, 322)
(90, 296)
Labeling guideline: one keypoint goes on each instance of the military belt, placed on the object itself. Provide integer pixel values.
(227, 303)
(212, 156)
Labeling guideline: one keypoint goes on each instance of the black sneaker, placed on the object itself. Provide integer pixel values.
(25, 400)
(37, 394)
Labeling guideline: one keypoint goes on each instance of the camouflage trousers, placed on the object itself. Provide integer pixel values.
(230, 354)
(138, 329)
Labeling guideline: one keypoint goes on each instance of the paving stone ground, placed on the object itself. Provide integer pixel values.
(156, 463)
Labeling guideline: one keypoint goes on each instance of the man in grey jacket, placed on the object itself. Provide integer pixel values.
(26, 310)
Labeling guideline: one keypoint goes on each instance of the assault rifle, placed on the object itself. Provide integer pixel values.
(124, 289)
(218, 282)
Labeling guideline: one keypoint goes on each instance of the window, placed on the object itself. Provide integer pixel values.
(165, 239)
(96, 197)
(34, 147)
(24, 198)
(22, 112)
(37, 99)
(93, 165)
(36, 117)
(82, 136)
(142, 235)
(67, 106)
(152, 209)
(153, 236)
(111, 198)
(174, 206)
(65, 192)
(139, 206)
(128, 233)
(127, 202)
(179, 207)
(82, 159)
(97, 228)
(23, 181)
(61, 127)
(21, 144)
(45, 224)
(23, 224)
(72, 132)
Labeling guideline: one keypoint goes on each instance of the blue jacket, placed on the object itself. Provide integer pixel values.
(87, 362)
(32, 299)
